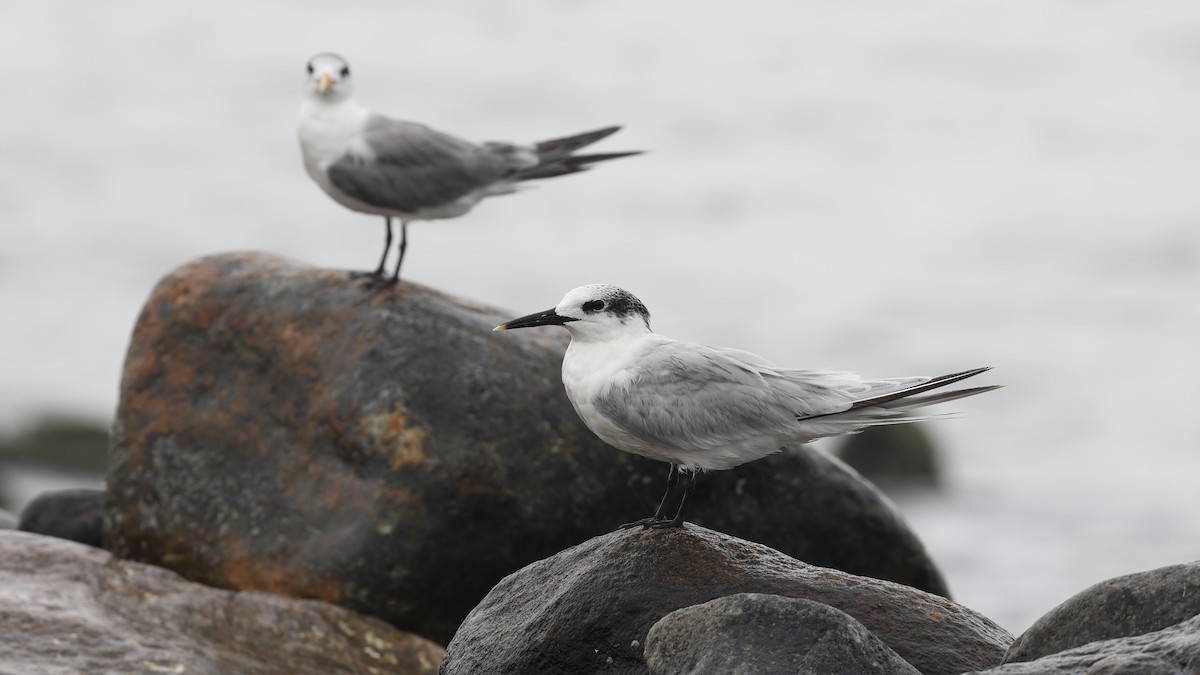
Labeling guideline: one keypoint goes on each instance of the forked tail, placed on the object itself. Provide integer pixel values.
(910, 397)
(556, 156)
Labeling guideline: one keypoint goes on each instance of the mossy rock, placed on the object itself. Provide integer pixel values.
(63, 443)
(898, 455)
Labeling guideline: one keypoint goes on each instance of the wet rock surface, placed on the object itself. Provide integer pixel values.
(589, 608)
(75, 515)
(1121, 607)
(283, 428)
(65, 607)
(1172, 651)
(755, 633)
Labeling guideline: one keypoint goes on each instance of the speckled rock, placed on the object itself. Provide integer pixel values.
(76, 515)
(751, 633)
(1121, 607)
(70, 608)
(283, 428)
(1171, 651)
(589, 608)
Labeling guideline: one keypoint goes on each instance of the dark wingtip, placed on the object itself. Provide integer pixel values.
(571, 164)
(568, 144)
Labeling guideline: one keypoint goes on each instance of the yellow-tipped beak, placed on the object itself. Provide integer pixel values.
(546, 318)
(325, 83)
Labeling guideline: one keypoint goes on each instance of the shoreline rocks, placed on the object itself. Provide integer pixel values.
(283, 428)
(1125, 606)
(757, 633)
(1174, 650)
(70, 607)
(75, 515)
(590, 608)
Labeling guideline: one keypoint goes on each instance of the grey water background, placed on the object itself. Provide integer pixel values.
(893, 188)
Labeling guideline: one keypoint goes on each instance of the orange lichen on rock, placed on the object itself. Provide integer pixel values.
(247, 569)
(401, 442)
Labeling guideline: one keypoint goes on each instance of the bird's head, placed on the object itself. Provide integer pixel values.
(593, 312)
(328, 78)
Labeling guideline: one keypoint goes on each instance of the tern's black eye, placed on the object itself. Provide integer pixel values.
(593, 305)
(345, 71)
(310, 69)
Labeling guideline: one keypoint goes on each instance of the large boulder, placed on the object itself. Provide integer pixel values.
(1174, 650)
(1125, 606)
(590, 607)
(757, 633)
(284, 428)
(65, 607)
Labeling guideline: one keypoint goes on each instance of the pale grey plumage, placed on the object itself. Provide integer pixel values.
(689, 395)
(703, 408)
(396, 169)
(413, 168)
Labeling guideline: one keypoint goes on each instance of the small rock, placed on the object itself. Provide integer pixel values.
(756, 633)
(282, 428)
(76, 515)
(8, 521)
(1121, 607)
(73, 608)
(1171, 651)
(600, 596)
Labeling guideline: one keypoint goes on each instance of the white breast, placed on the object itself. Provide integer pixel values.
(327, 132)
(590, 369)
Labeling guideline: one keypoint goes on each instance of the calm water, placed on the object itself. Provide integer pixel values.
(891, 189)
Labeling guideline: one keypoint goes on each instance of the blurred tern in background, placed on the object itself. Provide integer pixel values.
(702, 408)
(396, 169)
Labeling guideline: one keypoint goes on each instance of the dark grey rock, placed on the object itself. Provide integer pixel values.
(76, 515)
(755, 633)
(590, 607)
(284, 428)
(1125, 606)
(68, 608)
(1170, 651)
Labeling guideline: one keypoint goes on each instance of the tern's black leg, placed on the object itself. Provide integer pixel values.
(403, 247)
(387, 246)
(661, 512)
(677, 521)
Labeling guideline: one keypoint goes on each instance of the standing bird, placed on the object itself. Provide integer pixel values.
(396, 169)
(702, 408)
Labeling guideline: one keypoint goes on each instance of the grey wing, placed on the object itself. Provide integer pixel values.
(693, 396)
(414, 167)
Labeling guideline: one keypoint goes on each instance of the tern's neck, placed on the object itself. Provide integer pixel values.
(602, 334)
(341, 110)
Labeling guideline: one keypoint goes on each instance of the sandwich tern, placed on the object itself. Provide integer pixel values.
(396, 169)
(702, 408)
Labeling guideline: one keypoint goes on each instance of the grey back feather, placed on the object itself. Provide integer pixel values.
(416, 167)
(688, 395)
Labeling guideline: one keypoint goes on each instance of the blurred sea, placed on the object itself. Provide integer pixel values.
(892, 188)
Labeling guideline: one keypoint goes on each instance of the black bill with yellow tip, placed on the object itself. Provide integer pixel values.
(546, 318)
